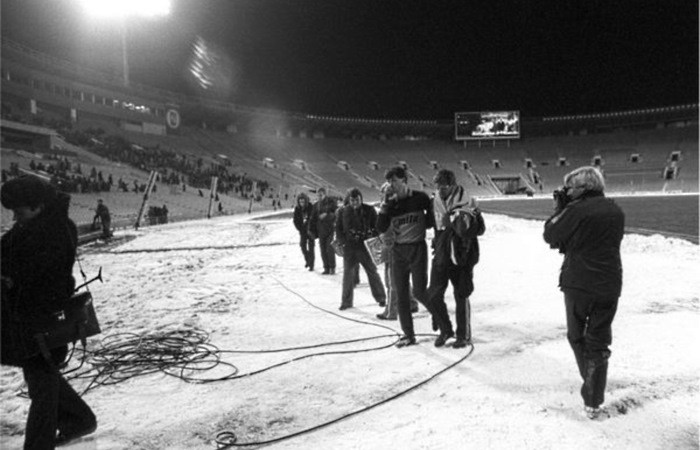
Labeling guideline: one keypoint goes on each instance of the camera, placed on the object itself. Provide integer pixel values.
(561, 198)
(359, 235)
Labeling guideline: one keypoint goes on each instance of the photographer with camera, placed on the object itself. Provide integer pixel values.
(588, 228)
(357, 222)
(37, 259)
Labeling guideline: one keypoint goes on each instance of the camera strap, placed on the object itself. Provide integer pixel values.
(41, 338)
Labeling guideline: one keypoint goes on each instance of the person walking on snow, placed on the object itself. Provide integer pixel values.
(458, 222)
(322, 226)
(407, 212)
(588, 228)
(302, 217)
(357, 222)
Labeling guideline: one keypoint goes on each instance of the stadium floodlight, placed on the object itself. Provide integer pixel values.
(124, 8)
(121, 10)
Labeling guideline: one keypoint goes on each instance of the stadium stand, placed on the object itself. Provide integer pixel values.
(54, 113)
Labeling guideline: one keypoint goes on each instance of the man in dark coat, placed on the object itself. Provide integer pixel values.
(302, 217)
(355, 223)
(322, 227)
(338, 213)
(37, 260)
(458, 222)
(588, 228)
(102, 214)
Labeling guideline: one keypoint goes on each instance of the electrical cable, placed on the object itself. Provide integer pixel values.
(184, 353)
(200, 248)
(228, 439)
(180, 354)
(333, 313)
(176, 353)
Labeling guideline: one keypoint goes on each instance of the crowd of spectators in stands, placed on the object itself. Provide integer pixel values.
(172, 168)
(65, 175)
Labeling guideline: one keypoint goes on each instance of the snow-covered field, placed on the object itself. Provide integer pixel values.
(242, 283)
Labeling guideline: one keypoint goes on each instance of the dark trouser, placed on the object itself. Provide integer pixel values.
(351, 259)
(55, 405)
(106, 228)
(409, 264)
(327, 252)
(589, 331)
(391, 302)
(461, 278)
(307, 249)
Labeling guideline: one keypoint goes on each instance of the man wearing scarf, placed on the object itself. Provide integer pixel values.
(458, 222)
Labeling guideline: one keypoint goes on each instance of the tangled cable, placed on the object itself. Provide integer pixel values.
(177, 353)
(184, 354)
(187, 354)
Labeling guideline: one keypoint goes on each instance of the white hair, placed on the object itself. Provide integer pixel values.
(588, 178)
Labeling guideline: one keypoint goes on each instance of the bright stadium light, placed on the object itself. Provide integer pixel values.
(124, 8)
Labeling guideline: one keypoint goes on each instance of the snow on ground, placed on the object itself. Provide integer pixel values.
(243, 283)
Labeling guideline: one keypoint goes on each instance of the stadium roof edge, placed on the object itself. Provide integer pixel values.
(176, 97)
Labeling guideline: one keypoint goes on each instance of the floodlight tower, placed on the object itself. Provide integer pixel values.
(122, 11)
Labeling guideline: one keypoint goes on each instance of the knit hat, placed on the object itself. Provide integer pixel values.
(26, 190)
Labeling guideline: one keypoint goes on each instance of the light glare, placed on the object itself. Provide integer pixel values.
(112, 8)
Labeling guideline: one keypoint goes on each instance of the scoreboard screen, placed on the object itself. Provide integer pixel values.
(487, 125)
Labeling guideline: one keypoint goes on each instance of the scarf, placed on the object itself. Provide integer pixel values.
(458, 204)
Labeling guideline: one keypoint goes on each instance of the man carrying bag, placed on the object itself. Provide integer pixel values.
(37, 260)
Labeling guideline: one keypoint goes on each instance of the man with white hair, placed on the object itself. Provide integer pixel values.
(588, 228)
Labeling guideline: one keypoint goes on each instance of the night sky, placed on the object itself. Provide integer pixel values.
(395, 59)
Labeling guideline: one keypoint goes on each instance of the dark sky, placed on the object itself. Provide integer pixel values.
(411, 59)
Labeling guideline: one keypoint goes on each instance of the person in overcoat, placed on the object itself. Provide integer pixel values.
(37, 259)
(322, 226)
(587, 227)
(302, 218)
